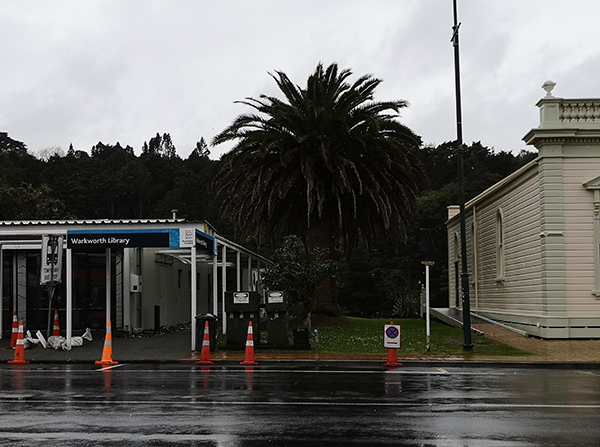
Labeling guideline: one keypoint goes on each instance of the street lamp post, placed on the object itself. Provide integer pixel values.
(466, 304)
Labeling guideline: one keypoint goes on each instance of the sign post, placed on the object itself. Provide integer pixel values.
(427, 314)
(427, 254)
(51, 268)
(392, 340)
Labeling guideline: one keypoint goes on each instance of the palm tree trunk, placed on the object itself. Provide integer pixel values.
(322, 234)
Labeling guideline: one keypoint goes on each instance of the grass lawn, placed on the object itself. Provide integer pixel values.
(348, 335)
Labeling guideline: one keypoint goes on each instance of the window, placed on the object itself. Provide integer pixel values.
(473, 247)
(457, 285)
(594, 185)
(456, 248)
(473, 253)
(499, 246)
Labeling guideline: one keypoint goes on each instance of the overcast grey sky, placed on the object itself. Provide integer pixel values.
(84, 71)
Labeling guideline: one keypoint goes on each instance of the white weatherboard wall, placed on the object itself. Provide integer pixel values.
(551, 226)
(579, 236)
(520, 290)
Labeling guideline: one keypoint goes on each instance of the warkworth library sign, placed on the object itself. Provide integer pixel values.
(168, 238)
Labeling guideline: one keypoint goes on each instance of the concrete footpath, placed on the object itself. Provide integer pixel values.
(174, 347)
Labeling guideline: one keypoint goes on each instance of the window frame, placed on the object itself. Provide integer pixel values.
(500, 247)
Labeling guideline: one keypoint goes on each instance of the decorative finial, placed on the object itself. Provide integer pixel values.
(549, 86)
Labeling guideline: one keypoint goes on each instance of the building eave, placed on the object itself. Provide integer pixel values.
(496, 187)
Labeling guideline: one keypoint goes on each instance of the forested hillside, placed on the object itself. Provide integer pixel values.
(111, 181)
(108, 182)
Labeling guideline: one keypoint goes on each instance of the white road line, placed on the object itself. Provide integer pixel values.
(106, 368)
(229, 404)
(220, 439)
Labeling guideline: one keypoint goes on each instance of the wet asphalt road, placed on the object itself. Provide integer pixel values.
(168, 405)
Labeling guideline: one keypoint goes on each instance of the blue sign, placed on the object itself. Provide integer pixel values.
(205, 243)
(98, 239)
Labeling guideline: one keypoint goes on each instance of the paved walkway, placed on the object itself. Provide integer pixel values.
(174, 347)
(545, 350)
(542, 350)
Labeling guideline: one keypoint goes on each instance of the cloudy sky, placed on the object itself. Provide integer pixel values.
(84, 71)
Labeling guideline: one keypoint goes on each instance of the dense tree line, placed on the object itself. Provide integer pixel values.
(111, 181)
(108, 182)
(390, 277)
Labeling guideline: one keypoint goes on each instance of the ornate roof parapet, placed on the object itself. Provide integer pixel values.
(579, 111)
(565, 120)
(567, 113)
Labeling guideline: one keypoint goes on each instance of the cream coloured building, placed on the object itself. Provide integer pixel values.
(533, 238)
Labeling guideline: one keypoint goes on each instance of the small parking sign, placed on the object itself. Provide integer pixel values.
(392, 336)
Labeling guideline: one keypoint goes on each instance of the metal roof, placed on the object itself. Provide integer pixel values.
(20, 223)
(28, 228)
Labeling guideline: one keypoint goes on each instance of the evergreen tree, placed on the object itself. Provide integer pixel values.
(160, 145)
(327, 162)
(374, 282)
(7, 144)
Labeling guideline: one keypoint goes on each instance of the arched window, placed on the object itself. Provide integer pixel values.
(473, 249)
(457, 285)
(456, 248)
(500, 242)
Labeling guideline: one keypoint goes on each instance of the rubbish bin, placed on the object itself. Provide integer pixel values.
(241, 308)
(212, 330)
(277, 318)
(301, 339)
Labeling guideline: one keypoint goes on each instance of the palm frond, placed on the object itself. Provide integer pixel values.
(324, 152)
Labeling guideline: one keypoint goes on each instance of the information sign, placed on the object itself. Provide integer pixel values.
(241, 298)
(51, 262)
(275, 297)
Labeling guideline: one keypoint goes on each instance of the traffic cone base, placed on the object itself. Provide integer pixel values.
(20, 348)
(205, 354)
(249, 355)
(392, 359)
(107, 351)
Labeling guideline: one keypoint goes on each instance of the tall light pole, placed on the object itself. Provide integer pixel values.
(466, 303)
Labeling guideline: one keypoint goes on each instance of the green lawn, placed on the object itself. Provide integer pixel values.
(350, 335)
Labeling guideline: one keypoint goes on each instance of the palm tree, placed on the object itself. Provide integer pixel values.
(328, 163)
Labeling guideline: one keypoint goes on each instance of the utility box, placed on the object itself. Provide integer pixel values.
(135, 283)
(277, 318)
(301, 339)
(242, 308)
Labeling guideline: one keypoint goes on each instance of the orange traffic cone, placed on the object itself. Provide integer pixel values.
(205, 354)
(107, 351)
(56, 331)
(249, 357)
(20, 349)
(15, 333)
(392, 359)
